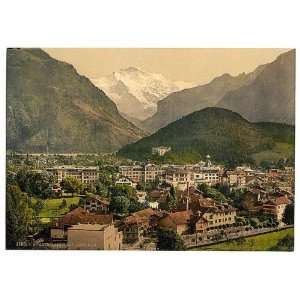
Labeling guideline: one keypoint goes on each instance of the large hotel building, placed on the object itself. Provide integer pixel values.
(87, 175)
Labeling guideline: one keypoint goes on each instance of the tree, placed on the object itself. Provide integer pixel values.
(71, 185)
(35, 183)
(203, 187)
(266, 164)
(288, 216)
(101, 189)
(171, 203)
(280, 164)
(169, 240)
(136, 206)
(11, 178)
(18, 216)
(223, 188)
(212, 193)
(119, 205)
(63, 204)
(254, 222)
(172, 192)
(39, 205)
(122, 190)
(236, 197)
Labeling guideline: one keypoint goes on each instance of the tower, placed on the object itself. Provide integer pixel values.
(188, 196)
(208, 161)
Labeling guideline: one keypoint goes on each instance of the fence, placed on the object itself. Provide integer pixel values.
(203, 239)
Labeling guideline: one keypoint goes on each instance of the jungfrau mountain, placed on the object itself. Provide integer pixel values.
(137, 92)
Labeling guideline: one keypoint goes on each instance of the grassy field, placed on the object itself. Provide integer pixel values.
(262, 242)
(281, 150)
(52, 208)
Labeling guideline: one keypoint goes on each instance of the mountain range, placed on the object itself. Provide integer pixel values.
(222, 133)
(50, 107)
(271, 96)
(136, 92)
(266, 94)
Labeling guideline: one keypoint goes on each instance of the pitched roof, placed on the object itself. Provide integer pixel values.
(140, 216)
(280, 200)
(80, 215)
(180, 217)
(144, 213)
(155, 194)
(98, 198)
(218, 208)
(88, 227)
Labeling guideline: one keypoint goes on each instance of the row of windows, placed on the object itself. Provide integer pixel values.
(223, 220)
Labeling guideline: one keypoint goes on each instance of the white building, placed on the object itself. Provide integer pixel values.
(94, 237)
(161, 150)
(126, 181)
(208, 175)
(134, 173)
(154, 205)
(138, 173)
(87, 175)
(141, 195)
(206, 172)
(179, 177)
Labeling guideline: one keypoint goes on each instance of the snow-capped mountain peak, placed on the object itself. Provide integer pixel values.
(136, 92)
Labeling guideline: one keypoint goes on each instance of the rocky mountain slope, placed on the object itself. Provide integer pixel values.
(271, 96)
(51, 107)
(136, 92)
(184, 102)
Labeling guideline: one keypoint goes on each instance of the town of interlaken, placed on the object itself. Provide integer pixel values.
(135, 161)
(98, 202)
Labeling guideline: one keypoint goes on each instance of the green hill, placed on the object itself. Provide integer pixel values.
(223, 134)
(51, 107)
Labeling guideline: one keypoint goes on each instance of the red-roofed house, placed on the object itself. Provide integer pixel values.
(276, 207)
(77, 216)
(178, 221)
(139, 224)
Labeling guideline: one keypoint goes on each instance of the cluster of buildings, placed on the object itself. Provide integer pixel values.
(91, 226)
(257, 201)
(179, 176)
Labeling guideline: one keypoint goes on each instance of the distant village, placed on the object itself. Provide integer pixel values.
(144, 206)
